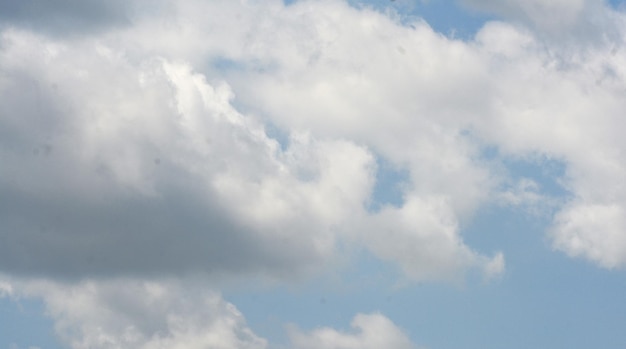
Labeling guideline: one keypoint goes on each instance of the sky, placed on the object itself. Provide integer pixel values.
(328, 174)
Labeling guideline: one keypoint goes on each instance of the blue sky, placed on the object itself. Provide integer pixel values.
(312, 174)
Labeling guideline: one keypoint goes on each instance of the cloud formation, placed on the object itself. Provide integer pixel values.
(131, 313)
(140, 314)
(238, 138)
(371, 331)
(145, 149)
(121, 167)
(122, 157)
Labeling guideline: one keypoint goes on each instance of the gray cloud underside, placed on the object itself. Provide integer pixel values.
(67, 17)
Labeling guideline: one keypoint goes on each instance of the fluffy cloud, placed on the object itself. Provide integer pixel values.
(429, 104)
(400, 90)
(135, 135)
(564, 103)
(125, 154)
(118, 166)
(372, 331)
(140, 314)
(238, 138)
(131, 313)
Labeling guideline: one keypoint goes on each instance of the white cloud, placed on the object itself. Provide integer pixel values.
(422, 237)
(372, 331)
(565, 103)
(142, 150)
(139, 135)
(399, 90)
(151, 314)
(427, 103)
(593, 231)
(141, 143)
(527, 194)
(141, 314)
(156, 170)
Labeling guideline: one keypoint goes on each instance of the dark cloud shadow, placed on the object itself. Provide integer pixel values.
(66, 17)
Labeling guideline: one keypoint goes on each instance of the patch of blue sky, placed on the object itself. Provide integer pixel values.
(545, 300)
(447, 17)
(276, 133)
(519, 232)
(225, 64)
(388, 188)
(549, 174)
(618, 4)
(331, 300)
(22, 325)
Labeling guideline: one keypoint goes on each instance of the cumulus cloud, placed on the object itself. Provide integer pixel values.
(370, 331)
(140, 314)
(528, 89)
(145, 149)
(117, 166)
(565, 104)
(594, 231)
(241, 137)
(422, 238)
(124, 154)
(402, 91)
(150, 314)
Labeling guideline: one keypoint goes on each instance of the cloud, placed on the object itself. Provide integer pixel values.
(422, 238)
(400, 90)
(145, 150)
(150, 314)
(67, 17)
(140, 314)
(125, 155)
(593, 231)
(141, 167)
(15, 346)
(136, 155)
(430, 105)
(554, 17)
(371, 331)
(566, 105)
